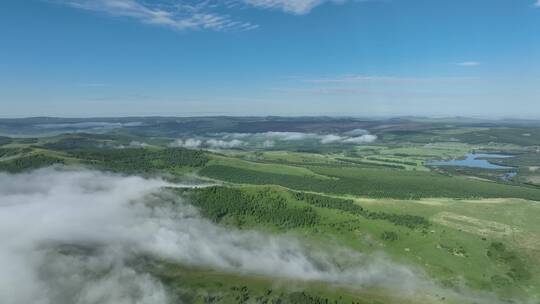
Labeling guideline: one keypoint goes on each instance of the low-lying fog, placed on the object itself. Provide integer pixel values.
(270, 139)
(123, 217)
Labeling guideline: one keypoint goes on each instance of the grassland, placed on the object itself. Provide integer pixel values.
(375, 183)
(467, 229)
(453, 247)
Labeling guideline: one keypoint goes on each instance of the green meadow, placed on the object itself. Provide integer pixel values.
(472, 235)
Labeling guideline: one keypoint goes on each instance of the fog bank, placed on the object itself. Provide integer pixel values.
(267, 140)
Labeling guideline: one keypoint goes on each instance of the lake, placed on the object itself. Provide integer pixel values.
(473, 160)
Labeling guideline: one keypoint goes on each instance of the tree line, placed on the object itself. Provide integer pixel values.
(29, 162)
(141, 160)
(374, 183)
(406, 220)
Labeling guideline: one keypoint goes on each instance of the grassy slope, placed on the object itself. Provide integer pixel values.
(458, 242)
(449, 253)
(265, 168)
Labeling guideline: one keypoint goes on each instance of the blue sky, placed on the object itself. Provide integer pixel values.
(270, 57)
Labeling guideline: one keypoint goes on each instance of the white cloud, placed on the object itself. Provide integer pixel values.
(326, 91)
(287, 136)
(468, 63)
(371, 79)
(190, 143)
(48, 207)
(190, 14)
(537, 4)
(224, 144)
(182, 16)
(138, 144)
(270, 139)
(350, 137)
(298, 7)
(195, 143)
(364, 139)
(330, 138)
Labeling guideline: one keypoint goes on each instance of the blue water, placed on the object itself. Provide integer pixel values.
(472, 161)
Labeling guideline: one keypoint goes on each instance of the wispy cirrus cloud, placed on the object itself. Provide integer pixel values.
(468, 63)
(358, 79)
(298, 7)
(183, 15)
(322, 90)
(92, 85)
